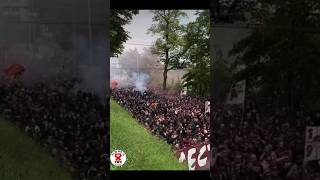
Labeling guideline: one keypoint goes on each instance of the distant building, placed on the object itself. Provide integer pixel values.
(15, 34)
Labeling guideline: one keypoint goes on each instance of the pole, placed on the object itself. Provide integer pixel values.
(33, 29)
(138, 66)
(31, 33)
(90, 31)
(243, 105)
(3, 54)
(228, 97)
(74, 39)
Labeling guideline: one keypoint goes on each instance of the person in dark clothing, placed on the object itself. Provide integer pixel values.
(70, 125)
(173, 118)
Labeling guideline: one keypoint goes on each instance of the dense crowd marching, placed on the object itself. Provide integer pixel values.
(70, 125)
(257, 146)
(180, 120)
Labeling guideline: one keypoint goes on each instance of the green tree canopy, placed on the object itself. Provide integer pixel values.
(166, 24)
(282, 53)
(197, 56)
(119, 18)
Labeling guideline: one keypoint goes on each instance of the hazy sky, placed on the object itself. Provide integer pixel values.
(139, 26)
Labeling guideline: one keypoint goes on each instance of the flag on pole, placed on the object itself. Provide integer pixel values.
(14, 70)
(207, 107)
(184, 90)
(237, 93)
(312, 143)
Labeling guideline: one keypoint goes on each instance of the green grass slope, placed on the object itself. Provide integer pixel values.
(22, 159)
(144, 151)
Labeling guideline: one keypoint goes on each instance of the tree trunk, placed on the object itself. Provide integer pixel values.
(164, 84)
(165, 71)
(166, 63)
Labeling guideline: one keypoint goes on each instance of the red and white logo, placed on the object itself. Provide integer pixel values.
(118, 157)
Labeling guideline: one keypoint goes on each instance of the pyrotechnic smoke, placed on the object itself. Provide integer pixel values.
(46, 61)
(140, 81)
(92, 70)
(136, 70)
(73, 48)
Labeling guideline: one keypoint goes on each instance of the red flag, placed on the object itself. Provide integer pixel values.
(14, 70)
(114, 84)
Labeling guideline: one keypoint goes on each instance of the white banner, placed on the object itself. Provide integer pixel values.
(237, 93)
(207, 107)
(312, 143)
(197, 157)
(184, 91)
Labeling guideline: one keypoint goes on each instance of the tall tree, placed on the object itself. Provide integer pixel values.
(197, 56)
(119, 18)
(230, 11)
(170, 43)
(282, 53)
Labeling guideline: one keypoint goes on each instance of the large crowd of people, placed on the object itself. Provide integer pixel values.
(180, 120)
(249, 144)
(70, 124)
(255, 145)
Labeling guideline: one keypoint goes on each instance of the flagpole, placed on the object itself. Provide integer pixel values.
(226, 101)
(243, 105)
(90, 32)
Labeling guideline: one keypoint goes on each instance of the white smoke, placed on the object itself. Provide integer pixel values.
(140, 81)
(133, 69)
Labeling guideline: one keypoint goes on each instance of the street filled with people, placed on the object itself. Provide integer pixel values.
(70, 124)
(260, 145)
(180, 120)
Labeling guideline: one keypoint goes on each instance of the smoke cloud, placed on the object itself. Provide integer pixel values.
(140, 81)
(137, 70)
(45, 60)
(53, 47)
(92, 70)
